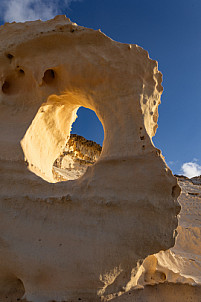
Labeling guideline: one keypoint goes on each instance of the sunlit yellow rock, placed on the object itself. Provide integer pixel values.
(79, 239)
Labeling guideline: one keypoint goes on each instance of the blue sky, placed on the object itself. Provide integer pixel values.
(171, 32)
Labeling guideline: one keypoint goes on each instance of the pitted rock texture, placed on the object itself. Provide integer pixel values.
(81, 239)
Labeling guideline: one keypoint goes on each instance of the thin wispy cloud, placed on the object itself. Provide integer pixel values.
(172, 162)
(28, 10)
(191, 169)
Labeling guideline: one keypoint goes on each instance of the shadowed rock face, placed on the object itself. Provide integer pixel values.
(80, 239)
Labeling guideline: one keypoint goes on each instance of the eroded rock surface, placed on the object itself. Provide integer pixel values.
(182, 263)
(81, 239)
(78, 154)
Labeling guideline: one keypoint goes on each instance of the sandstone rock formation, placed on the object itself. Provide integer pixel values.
(179, 265)
(86, 238)
(182, 263)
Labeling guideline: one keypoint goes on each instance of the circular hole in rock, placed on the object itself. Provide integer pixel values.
(49, 76)
(83, 148)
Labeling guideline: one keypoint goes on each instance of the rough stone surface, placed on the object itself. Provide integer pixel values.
(81, 239)
(179, 265)
(78, 154)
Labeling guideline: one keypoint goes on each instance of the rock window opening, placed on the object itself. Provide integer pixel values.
(83, 148)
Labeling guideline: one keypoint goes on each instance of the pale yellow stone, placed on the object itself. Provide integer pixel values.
(83, 238)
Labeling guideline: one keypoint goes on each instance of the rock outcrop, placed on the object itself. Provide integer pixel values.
(86, 238)
(182, 263)
(78, 154)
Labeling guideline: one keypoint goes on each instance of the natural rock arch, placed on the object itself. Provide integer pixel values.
(82, 238)
(74, 75)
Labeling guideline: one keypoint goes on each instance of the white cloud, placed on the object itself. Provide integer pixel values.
(191, 169)
(27, 10)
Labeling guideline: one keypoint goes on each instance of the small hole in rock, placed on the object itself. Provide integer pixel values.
(21, 71)
(143, 147)
(142, 138)
(176, 191)
(9, 56)
(5, 87)
(162, 276)
(49, 76)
